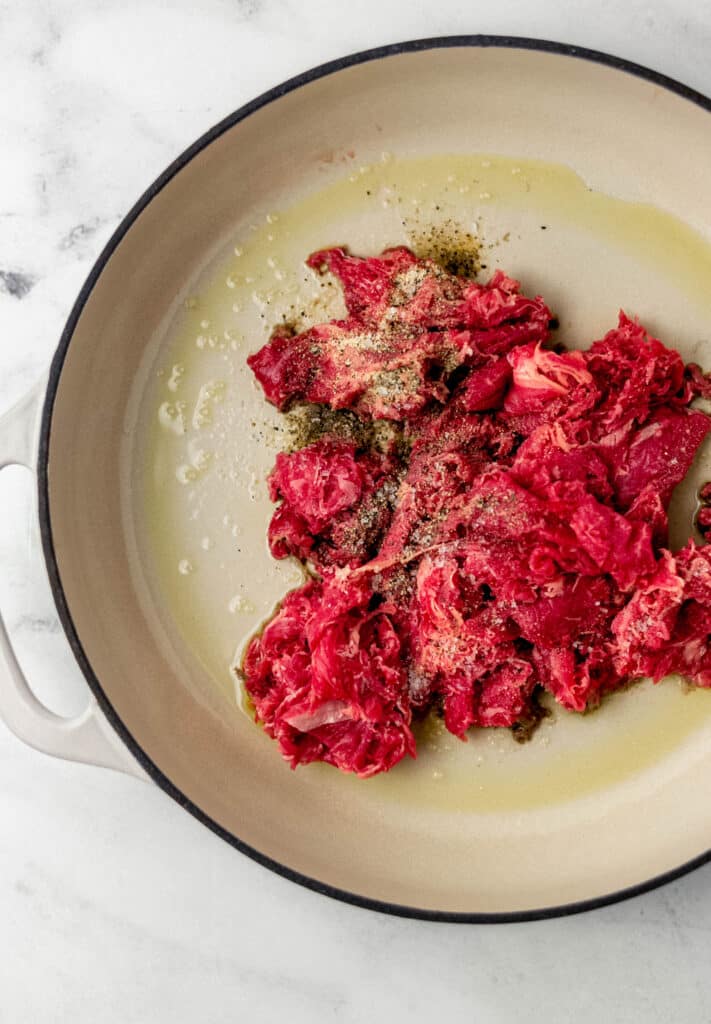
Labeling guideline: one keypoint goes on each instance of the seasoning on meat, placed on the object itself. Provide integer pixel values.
(508, 536)
(410, 325)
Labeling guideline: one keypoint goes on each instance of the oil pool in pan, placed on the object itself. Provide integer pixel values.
(200, 507)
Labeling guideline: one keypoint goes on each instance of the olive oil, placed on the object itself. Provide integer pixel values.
(209, 439)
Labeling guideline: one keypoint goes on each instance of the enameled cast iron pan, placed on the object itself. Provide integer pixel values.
(628, 132)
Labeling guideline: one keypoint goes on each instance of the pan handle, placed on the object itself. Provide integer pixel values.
(88, 737)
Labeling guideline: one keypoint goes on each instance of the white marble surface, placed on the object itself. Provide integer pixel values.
(115, 906)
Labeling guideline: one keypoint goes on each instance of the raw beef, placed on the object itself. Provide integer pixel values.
(515, 539)
(336, 503)
(410, 326)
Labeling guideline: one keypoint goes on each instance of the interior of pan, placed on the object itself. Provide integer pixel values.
(375, 840)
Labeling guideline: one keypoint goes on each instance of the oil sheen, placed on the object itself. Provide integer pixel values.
(209, 439)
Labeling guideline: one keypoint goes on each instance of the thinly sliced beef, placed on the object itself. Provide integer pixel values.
(666, 627)
(659, 455)
(410, 326)
(396, 291)
(328, 680)
(515, 542)
(549, 384)
(336, 503)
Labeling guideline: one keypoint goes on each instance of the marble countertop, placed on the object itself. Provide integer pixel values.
(115, 905)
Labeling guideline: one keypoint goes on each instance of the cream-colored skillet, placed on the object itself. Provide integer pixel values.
(617, 819)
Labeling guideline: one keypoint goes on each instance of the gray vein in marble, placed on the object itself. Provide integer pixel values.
(16, 283)
(250, 8)
(36, 624)
(79, 234)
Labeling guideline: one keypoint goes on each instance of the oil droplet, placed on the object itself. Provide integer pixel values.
(185, 567)
(211, 394)
(237, 251)
(204, 324)
(206, 544)
(171, 416)
(252, 487)
(295, 576)
(186, 474)
(485, 195)
(240, 604)
(176, 375)
(199, 458)
(230, 281)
